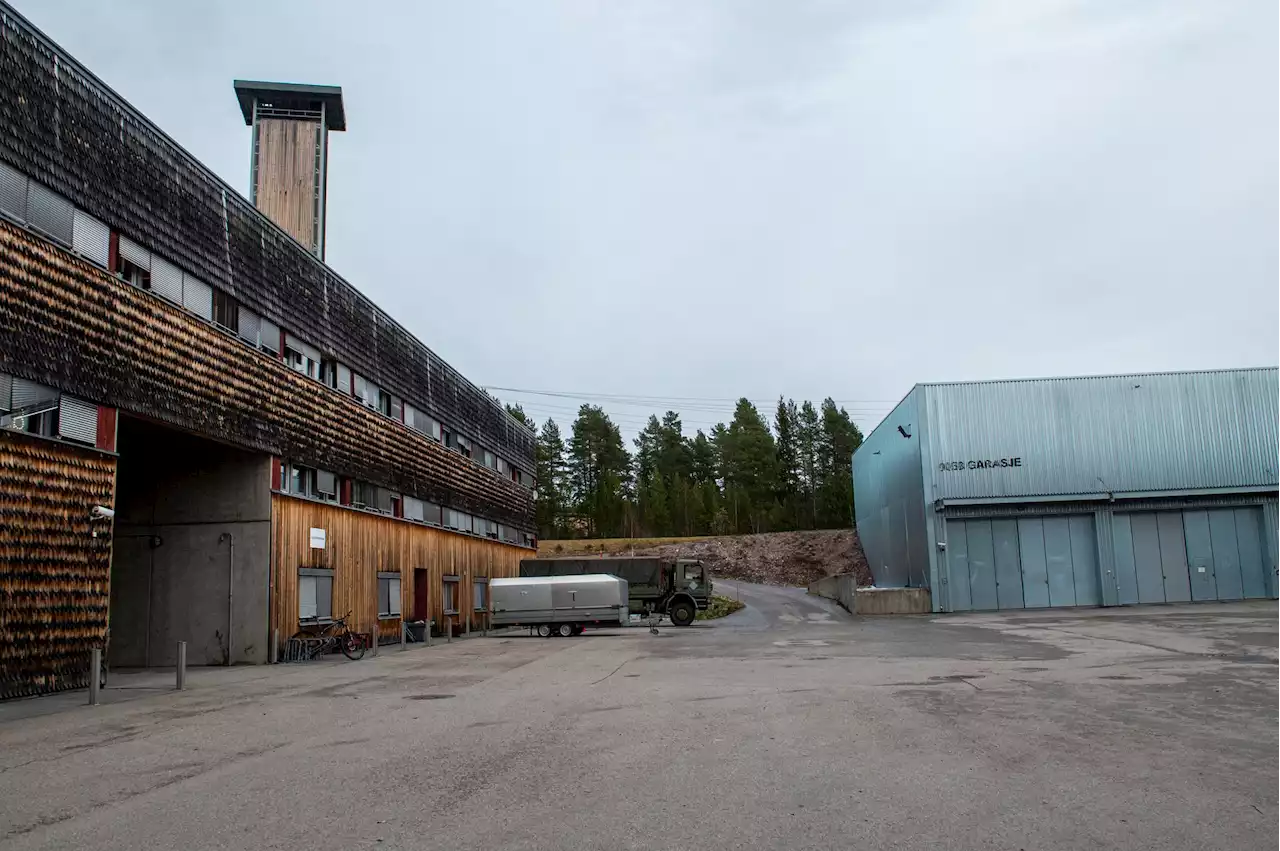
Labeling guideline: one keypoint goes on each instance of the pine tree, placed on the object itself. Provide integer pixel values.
(838, 440)
(599, 473)
(808, 432)
(788, 462)
(749, 466)
(549, 470)
(517, 413)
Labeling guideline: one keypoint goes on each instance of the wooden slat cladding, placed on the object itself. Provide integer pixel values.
(54, 574)
(61, 126)
(71, 325)
(287, 175)
(358, 546)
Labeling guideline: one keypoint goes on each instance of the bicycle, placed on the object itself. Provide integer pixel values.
(335, 635)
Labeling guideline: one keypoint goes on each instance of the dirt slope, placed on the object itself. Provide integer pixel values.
(777, 558)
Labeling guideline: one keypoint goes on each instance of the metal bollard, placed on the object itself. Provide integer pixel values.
(373, 633)
(275, 646)
(182, 666)
(450, 633)
(426, 632)
(404, 632)
(484, 624)
(95, 674)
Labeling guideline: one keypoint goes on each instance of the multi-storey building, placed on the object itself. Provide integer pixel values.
(206, 434)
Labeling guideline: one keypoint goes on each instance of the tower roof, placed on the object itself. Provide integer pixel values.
(300, 96)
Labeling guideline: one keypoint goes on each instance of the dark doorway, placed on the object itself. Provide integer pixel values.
(421, 612)
(191, 550)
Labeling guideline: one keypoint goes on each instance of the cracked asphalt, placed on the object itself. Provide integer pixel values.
(790, 724)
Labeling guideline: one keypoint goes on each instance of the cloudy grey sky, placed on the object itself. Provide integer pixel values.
(712, 199)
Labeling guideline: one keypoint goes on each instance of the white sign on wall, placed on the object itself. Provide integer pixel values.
(317, 539)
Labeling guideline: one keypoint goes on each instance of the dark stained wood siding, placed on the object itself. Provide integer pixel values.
(71, 325)
(359, 545)
(54, 574)
(64, 128)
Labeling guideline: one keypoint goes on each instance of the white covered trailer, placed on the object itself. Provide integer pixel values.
(560, 605)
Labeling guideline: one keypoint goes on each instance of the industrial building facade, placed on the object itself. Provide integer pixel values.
(1094, 491)
(206, 434)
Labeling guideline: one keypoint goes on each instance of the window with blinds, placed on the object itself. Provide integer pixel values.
(91, 239)
(78, 421)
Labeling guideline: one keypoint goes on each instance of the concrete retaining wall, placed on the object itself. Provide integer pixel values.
(892, 601)
(872, 601)
(839, 588)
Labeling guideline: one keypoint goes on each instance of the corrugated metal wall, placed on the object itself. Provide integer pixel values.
(1099, 435)
(889, 499)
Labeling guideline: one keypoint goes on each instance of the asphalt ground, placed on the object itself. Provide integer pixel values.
(790, 724)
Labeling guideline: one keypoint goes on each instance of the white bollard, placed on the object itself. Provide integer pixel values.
(182, 666)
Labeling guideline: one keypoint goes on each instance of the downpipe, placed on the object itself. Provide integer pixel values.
(231, 585)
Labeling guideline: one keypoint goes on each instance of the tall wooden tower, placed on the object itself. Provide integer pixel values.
(289, 154)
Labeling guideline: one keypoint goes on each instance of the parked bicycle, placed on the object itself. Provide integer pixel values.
(334, 635)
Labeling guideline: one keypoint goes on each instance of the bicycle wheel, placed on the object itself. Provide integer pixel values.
(353, 646)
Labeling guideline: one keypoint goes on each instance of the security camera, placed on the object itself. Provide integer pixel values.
(103, 512)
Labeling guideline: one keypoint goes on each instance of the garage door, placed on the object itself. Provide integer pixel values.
(1179, 556)
(1029, 562)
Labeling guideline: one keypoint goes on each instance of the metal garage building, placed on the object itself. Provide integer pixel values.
(1095, 491)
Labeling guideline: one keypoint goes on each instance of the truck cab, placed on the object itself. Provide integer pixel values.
(692, 578)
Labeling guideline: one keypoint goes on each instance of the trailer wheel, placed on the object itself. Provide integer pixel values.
(544, 630)
(565, 630)
(682, 613)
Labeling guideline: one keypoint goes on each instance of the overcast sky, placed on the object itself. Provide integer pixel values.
(717, 199)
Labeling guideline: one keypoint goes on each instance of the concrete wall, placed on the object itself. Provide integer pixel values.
(840, 588)
(178, 499)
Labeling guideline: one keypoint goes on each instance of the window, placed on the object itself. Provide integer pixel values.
(397, 506)
(479, 598)
(269, 337)
(385, 401)
(413, 509)
(135, 274)
(458, 443)
(388, 595)
(133, 263)
(528, 540)
(315, 594)
(488, 528)
(226, 312)
(301, 357)
(434, 429)
(488, 459)
(363, 494)
(432, 513)
(366, 391)
(301, 480)
(451, 595)
(326, 486)
(503, 468)
(335, 375)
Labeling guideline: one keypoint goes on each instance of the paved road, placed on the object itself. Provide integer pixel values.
(787, 725)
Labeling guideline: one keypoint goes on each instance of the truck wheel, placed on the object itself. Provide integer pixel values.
(683, 613)
(579, 629)
(565, 630)
(544, 630)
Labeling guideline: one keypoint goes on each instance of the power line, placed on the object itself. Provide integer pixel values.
(635, 398)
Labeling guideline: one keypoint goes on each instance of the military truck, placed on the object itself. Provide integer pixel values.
(677, 588)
